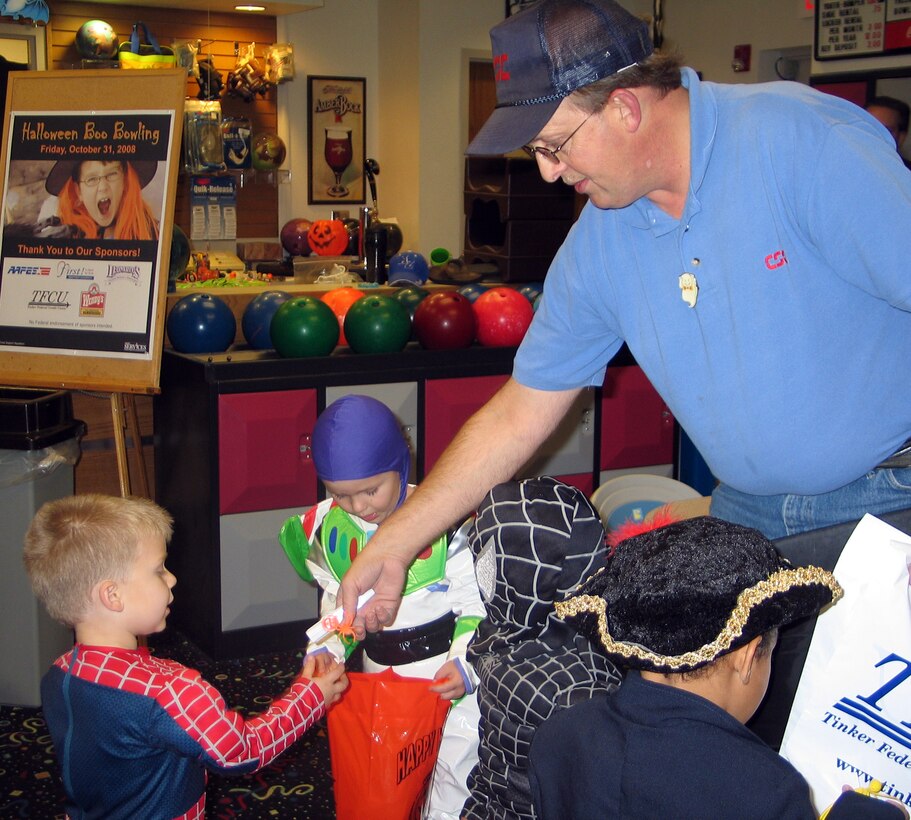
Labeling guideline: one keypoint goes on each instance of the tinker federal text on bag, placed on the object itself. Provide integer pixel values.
(143, 51)
(849, 722)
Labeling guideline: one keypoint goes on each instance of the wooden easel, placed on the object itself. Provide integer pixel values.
(91, 98)
(123, 414)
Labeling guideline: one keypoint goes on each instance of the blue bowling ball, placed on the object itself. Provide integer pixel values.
(201, 323)
(257, 318)
(531, 292)
(472, 291)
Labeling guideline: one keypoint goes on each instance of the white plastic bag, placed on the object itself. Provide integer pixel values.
(850, 722)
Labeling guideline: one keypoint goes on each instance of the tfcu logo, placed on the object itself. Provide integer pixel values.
(776, 260)
(28, 270)
(49, 299)
(91, 302)
(871, 710)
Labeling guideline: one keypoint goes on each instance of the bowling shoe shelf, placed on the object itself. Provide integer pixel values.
(514, 220)
(232, 462)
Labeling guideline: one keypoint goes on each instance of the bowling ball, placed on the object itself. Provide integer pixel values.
(340, 300)
(473, 291)
(96, 40)
(201, 323)
(354, 228)
(503, 316)
(377, 324)
(257, 319)
(293, 237)
(411, 296)
(445, 321)
(303, 327)
(180, 256)
(394, 238)
(531, 292)
(269, 151)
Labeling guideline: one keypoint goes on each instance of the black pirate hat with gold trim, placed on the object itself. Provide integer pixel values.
(678, 597)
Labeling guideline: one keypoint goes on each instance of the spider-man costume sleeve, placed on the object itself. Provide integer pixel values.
(134, 734)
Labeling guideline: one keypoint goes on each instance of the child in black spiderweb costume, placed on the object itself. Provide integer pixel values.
(533, 541)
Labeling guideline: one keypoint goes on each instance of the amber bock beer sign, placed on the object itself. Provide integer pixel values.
(83, 200)
(862, 28)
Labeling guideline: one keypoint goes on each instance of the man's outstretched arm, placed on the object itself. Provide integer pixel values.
(491, 446)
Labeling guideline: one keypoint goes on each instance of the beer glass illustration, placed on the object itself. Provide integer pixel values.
(338, 153)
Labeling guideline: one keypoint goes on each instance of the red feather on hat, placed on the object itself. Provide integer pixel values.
(629, 528)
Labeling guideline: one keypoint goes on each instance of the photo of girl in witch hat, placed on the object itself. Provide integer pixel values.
(101, 197)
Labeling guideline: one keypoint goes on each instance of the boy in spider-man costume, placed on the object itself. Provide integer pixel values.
(362, 458)
(134, 734)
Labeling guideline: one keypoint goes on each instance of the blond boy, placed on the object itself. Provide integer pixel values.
(135, 734)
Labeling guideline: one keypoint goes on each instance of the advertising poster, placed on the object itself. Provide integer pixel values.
(336, 139)
(83, 201)
(213, 207)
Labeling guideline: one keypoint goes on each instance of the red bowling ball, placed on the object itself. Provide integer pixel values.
(445, 321)
(293, 237)
(503, 315)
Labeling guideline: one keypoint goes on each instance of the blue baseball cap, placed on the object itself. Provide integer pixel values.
(408, 268)
(543, 54)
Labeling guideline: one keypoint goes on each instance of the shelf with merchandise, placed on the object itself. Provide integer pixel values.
(246, 177)
(255, 176)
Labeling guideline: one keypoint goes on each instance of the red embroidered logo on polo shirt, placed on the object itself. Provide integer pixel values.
(499, 67)
(776, 260)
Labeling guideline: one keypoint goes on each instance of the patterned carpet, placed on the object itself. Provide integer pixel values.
(297, 785)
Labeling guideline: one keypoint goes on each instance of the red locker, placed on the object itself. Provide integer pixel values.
(637, 429)
(264, 460)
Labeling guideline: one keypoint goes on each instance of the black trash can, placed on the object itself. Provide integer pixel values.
(39, 448)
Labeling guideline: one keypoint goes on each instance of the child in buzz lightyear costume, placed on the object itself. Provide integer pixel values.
(362, 458)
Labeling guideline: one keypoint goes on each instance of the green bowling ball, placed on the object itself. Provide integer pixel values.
(304, 327)
(411, 296)
(377, 324)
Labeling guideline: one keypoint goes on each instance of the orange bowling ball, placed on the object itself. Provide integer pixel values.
(340, 299)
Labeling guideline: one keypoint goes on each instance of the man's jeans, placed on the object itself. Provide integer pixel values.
(879, 491)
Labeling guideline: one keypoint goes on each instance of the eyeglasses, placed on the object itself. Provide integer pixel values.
(109, 177)
(550, 154)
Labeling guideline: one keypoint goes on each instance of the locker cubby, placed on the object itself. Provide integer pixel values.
(513, 218)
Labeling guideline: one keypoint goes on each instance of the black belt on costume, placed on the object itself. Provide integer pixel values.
(900, 458)
(393, 647)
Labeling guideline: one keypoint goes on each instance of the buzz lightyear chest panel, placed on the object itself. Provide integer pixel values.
(343, 539)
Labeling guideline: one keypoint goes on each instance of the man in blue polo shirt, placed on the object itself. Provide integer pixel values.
(745, 241)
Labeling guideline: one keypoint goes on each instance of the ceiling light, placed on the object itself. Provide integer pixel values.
(249, 7)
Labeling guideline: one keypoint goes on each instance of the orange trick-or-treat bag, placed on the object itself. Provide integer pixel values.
(384, 736)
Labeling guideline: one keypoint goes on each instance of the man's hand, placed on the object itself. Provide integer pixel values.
(494, 443)
(384, 573)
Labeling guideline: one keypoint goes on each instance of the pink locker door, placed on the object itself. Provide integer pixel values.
(264, 460)
(448, 404)
(637, 429)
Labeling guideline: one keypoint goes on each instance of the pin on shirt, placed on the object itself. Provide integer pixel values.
(689, 288)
